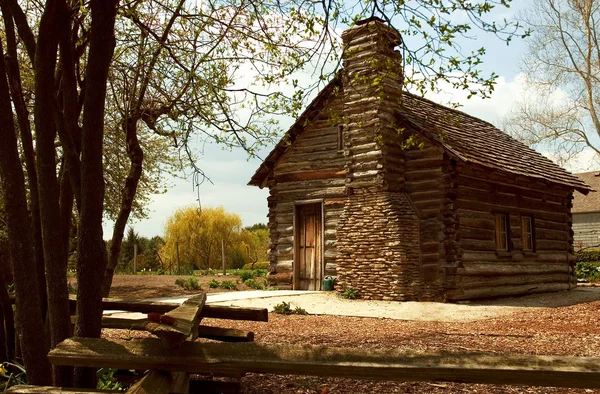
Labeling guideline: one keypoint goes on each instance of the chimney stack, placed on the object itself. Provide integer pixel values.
(369, 55)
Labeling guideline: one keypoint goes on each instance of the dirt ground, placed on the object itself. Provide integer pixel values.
(538, 326)
(159, 286)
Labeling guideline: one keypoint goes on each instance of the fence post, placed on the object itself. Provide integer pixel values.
(223, 256)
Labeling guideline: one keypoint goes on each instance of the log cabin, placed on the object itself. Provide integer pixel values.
(586, 213)
(401, 198)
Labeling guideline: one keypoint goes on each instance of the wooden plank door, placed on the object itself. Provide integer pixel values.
(308, 263)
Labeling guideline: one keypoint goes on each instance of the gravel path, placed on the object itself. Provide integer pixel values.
(331, 304)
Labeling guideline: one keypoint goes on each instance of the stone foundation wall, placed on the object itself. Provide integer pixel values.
(378, 247)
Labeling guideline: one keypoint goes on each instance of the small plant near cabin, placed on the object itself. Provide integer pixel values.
(285, 308)
(13, 374)
(300, 311)
(350, 293)
(188, 284)
(213, 284)
(107, 379)
(254, 284)
(246, 275)
(228, 285)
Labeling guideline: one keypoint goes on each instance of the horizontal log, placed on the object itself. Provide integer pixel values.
(477, 245)
(318, 193)
(309, 165)
(429, 152)
(355, 363)
(425, 162)
(484, 207)
(518, 185)
(309, 176)
(424, 185)
(493, 269)
(209, 311)
(423, 174)
(542, 244)
(476, 233)
(29, 389)
(504, 291)
(470, 282)
(225, 334)
(426, 195)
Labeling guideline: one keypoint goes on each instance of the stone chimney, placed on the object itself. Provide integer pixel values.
(378, 232)
(372, 80)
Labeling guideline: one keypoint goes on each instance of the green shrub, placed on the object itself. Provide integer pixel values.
(229, 285)
(254, 284)
(350, 293)
(213, 284)
(587, 255)
(107, 379)
(285, 308)
(262, 265)
(188, 284)
(246, 275)
(300, 311)
(587, 271)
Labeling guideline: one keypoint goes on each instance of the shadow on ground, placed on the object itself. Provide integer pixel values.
(576, 296)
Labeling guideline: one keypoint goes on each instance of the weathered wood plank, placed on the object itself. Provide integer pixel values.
(375, 364)
(225, 334)
(208, 332)
(155, 382)
(179, 324)
(493, 269)
(210, 311)
(29, 389)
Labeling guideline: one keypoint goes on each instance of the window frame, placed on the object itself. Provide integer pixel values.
(530, 219)
(497, 231)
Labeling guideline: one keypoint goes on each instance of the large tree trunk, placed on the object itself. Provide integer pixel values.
(8, 317)
(28, 303)
(136, 156)
(16, 90)
(54, 257)
(91, 261)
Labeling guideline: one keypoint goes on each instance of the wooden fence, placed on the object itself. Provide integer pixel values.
(173, 356)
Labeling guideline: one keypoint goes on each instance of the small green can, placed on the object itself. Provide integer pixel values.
(328, 283)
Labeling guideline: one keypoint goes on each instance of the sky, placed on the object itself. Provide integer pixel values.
(230, 171)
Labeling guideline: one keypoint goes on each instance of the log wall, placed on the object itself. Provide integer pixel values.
(423, 181)
(312, 169)
(484, 271)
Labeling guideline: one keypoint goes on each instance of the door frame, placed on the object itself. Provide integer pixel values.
(295, 268)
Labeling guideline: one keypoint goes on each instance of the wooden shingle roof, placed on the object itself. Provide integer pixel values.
(471, 139)
(591, 202)
(463, 136)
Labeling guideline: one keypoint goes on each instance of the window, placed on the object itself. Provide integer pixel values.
(340, 137)
(501, 231)
(527, 233)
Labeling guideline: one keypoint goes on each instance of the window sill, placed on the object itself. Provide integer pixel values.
(529, 253)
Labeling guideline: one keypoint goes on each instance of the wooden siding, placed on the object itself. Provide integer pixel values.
(586, 228)
(486, 271)
(311, 169)
(423, 184)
